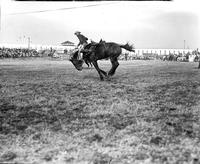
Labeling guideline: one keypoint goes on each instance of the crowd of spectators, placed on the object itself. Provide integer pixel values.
(25, 52)
(189, 56)
(17, 52)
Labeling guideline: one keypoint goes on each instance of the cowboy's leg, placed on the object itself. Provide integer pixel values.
(80, 56)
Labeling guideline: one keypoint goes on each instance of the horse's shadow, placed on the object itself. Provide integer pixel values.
(112, 79)
(90, 77)
(96, 78)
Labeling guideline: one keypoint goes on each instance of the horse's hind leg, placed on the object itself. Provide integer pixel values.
(98, 69)
(115, 64)
(102, 71)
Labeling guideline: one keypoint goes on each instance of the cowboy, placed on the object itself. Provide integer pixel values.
(82, 42)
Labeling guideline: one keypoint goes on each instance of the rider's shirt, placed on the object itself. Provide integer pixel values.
(82, 39)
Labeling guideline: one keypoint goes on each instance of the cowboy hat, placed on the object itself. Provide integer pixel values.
(77, 32)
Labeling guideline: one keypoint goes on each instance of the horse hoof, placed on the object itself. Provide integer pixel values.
(108, 78)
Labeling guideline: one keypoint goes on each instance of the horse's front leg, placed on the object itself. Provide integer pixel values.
(86, 62)
(98, 69)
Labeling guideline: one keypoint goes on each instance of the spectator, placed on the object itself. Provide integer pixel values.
(17, 52)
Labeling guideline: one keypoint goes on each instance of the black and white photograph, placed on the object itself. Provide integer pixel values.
(99, 82)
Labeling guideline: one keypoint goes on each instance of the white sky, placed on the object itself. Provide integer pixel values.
(151, 24)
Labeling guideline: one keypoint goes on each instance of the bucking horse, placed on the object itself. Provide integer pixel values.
(97, 51)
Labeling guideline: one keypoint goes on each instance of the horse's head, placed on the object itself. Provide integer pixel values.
(75, 61)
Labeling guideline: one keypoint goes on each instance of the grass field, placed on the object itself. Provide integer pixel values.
(149, 112)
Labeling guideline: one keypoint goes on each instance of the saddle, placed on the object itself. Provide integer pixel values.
(96, 43)
(93, 44)
(103, 42)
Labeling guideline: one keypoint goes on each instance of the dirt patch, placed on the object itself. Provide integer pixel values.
(147, 113)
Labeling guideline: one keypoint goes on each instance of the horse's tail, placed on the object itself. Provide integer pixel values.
(128, 47)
